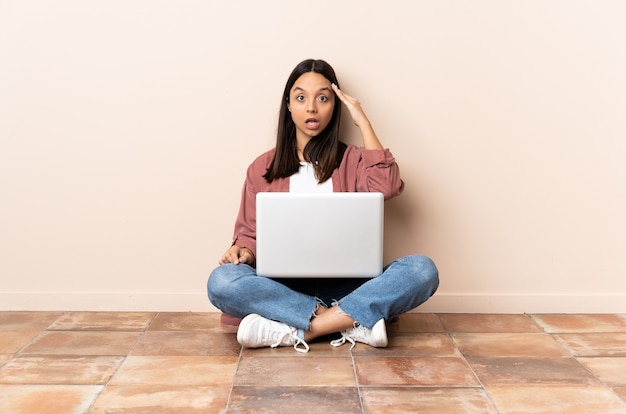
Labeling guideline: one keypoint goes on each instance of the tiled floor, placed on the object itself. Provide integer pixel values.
(95, 362)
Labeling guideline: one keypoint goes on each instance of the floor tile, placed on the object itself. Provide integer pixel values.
(187, 343)
(83, 343)
(59, 370)
(295, 371)
(27, 321)
(4, 358)
(190, 362)
(176, 370)
(13, 341)
(432, 372)
(161, 399)
(530, 345)
(610, 370)
(416, 322)
(416, 345)
(190, 321)
(578, 323)
(556, 400)
(594, 344)
(317, 349)
(270, 400)
(47, 399)
(621, 391)
(478, 322)
(525, 371)
(426, 401)
(103, 321)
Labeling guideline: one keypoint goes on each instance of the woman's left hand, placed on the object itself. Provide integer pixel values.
(370, 140)
(354, 106)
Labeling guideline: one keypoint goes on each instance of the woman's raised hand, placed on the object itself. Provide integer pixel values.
(353, 105)
(370, 140)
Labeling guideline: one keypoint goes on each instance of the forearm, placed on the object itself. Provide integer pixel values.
(370, 140)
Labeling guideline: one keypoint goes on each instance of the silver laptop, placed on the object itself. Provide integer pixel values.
(319, 235)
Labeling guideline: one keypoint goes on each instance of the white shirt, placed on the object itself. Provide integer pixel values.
(304, 181)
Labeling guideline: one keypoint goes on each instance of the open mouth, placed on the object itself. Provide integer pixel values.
(312, 123)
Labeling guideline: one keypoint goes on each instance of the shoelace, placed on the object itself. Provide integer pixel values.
(357, 333)
(342, 340)
(299, 341)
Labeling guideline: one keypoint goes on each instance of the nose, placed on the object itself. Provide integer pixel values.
(311, 107)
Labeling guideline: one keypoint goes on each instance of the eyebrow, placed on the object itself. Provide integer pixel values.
(297, 88)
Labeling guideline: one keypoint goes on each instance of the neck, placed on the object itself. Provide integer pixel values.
(301, 142)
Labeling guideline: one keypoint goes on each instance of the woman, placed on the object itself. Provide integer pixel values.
(309, 157)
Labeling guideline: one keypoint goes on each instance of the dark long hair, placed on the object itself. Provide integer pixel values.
(323, 151)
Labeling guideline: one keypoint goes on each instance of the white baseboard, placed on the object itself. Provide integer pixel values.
(525, 303)
(198, 302)
(107, 301)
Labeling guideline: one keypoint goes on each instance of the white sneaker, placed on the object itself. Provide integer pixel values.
(256, 331)
(376, 337)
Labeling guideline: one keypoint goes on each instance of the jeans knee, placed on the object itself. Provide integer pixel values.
(425, 271)
(218, 283)
(225, 281)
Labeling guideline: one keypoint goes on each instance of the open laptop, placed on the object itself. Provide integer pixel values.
(319, 235)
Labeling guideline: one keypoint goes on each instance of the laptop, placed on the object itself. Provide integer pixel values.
(319, 235)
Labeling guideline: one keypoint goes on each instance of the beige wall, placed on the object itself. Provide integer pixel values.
(126, 127)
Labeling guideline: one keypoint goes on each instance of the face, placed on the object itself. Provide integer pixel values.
(311, 103)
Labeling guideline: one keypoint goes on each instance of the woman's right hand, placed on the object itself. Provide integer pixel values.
(237, 255)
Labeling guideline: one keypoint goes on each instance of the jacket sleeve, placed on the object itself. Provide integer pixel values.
(368, 170)
(245, 224)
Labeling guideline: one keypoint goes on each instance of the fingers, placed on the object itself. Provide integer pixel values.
(346, 99)
(243, 256)
(231, 256)
(337, 91)
(353, 105)
(227, 258)
(246, 256)
(237, 255)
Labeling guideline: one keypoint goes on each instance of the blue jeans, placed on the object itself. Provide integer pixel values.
(404, 284)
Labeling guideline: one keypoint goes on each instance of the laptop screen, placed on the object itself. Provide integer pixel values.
(319, 235)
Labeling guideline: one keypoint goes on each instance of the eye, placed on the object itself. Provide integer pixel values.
(323, 98)
(300, 98)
